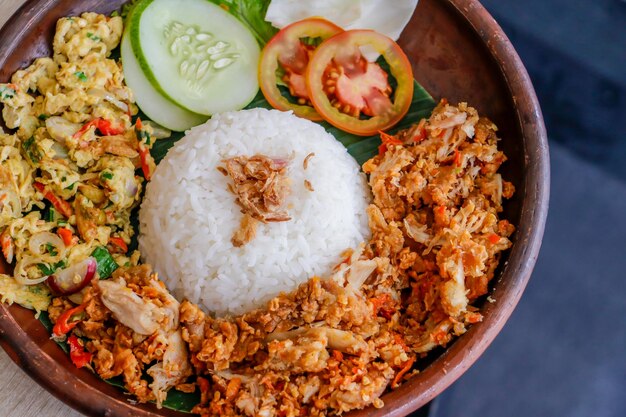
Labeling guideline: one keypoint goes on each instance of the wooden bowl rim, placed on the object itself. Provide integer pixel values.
(451, 364)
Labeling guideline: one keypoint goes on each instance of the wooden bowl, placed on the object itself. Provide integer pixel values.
(459, 52)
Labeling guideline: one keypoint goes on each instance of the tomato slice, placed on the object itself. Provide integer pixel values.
(366, 90)
(342, 84)
(287, 50)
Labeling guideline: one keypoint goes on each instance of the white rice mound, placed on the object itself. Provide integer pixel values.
(188, 215)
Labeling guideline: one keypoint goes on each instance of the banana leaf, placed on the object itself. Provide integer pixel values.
(361, 148)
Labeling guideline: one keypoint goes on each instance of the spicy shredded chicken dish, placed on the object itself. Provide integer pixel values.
(72, 169)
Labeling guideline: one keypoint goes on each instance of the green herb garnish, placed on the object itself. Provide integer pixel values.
(93, 37)
(32, 150)
(7, 92)
(47, 269)
(144, 137)
(51, 249)
(105, 262)
(106, 175)
(81, 75)
(51, 215)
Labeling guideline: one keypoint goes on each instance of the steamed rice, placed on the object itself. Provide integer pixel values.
(188, 215)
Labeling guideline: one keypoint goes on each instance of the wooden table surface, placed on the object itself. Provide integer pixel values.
(20, 396)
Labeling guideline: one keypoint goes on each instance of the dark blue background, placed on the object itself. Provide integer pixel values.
(563, 352)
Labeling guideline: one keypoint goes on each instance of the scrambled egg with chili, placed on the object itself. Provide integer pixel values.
(68, 177)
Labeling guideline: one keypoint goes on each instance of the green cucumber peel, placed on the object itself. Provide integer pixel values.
(204, 65)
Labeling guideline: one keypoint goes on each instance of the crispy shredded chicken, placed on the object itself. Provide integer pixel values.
(132, 321)
(261, 186)
(435, 217)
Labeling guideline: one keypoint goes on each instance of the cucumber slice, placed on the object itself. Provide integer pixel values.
(149, 100)
(195, 53)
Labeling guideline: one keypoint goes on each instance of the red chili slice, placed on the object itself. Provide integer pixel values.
(61, 205)
(104, 126)
(79, 356)
(67, 321)
(119, 243)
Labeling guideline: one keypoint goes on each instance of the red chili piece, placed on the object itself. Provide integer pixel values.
(79, 356)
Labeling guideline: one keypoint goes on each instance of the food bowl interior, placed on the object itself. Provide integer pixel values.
(459, 53)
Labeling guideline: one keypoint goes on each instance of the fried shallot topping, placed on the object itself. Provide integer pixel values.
(246, 231)
(305, 163)
(261, 186)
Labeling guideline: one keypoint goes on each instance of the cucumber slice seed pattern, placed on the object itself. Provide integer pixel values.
(199, 53)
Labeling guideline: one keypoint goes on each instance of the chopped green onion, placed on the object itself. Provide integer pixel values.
(107, 175)
(31, 149)
(7, 92)
(71, 186)
(93, 37)
(144, 137)
(45, 269)
(51, 249)
(81, 75)
(43, 116)
(50, 269)
(105, 262)
(51, 215)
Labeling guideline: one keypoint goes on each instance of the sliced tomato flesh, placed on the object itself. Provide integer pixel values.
(366, 92)
(296, 58)
(342, 84)
(286, 51)
(297, 85)
(350, 60)
(294, 63)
